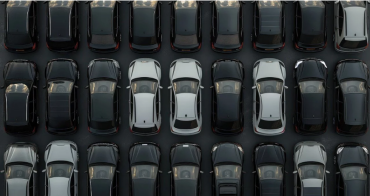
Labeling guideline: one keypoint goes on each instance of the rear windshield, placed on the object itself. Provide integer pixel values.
(144, 41)
(269, 39)
(353, 44)
(186, 40)
(267, 124)
(190, 124)
(228, 39)
(312, 39)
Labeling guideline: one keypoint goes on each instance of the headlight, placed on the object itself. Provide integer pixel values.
(323, 64)
(365, 149)
(241, 149)
(214, 148)
(339, 150)
(297, 64)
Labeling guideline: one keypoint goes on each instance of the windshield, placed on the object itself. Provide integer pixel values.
(106, 87)
(18, 171)
(144, 172)
(103, 3)
(61, 170)
(144, 4)
(182, 4)
(270, 172)
(353, 3)
(185, 173)
(101, 172)
(17, 88)
(185, 86)
(311, 171)
(60, 87)
(227, 3)
(312, 87)
(227, 172)
(354, 173)
(270, 86)
(350, 87)
(228, 86)
(144, 86)
(58, 3)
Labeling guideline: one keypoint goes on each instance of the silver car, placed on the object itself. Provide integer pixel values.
(310, 168)
(20, 161)
(145, 97)
(269, 97)
(350, 26)
(185, 97)
(61, 174)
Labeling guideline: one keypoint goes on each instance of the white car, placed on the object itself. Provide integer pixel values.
(145, 97)
(269, 97)
(185, 97)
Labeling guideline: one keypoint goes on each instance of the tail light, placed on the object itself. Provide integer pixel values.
(283, 45)
(200, 45)
(254, 45)
(296, 45)
(131, 130)
(366, 46)
(241, 46)
(117, 46)
(6, 47)
(76, 46)
(338, 46)
(47, 45)
(88, 128)
(117, 129)
(213, 46)
(159, 130)
(34, 46)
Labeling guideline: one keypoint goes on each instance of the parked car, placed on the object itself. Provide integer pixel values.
(20, 105)
(227, 97)
(310, 169)
(103, 163)
(185, 169)
(61, 173)
(269, 169)
(352, 177)
(20, 27)
(103, 33)
(350, 26)
(269, 97)
(145, 26)
(185, 97)
(20, 163)
(62, 30)
(227, 26)
(186, 26)
(103, 103)
(310, 26)
(351, 79)
(268, 26)
(227, 163)
(145, 117)
(310, 76)
(144, 162)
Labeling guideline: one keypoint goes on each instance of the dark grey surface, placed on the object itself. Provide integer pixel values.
(165, 139)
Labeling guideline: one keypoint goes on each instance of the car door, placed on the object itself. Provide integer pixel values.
(214, 22)
(131, 108)
(339, 183)
(255, 21)
(298, 21)
(214, 104)
(116, 106)
(158, 22)
(199, 103)
(297, 184)
(158, 104)
(257, 191)
(172, 103)
(339, 21)
(74, 21)
(116, 22)
(115, 183)
(73, 105)
(32, 20)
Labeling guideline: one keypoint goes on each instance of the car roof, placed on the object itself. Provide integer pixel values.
(17, 186)
(355, 187)
(355, 109)
(18, 16)
(271, 187)
(185, 103)
(144, 24)
(186, 21)
(312, 191)
(59, 186)
(271, 103)
(270, 19)
(355, 29)
(101, 187)
(313, 20)
(59, 115)
(102, 108)
(144, 109)
(17, 108)
(102, 20)
(228, 107)
(228, 20)
(60, 18)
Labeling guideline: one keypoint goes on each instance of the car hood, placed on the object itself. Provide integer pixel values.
(227, 153)
(185, 103)
(352, 155)
(313, 108)
(59, 186)
(144, 70)
(269, 70)
(60, 153)
(355, 109)
(145, 154)
(17, 186)
(270, 105)
(21, 154)
(144, 109)
(310, 153)
(185, 70)
(186, 155)
(270, 154)
(103, 154)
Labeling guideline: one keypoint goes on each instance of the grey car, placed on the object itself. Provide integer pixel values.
(61, 174)
(310, 169)
(350, 26)
(20, 161)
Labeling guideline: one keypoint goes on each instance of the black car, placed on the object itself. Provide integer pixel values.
(310, 26)
(186, 26)
(269, 169)
(352, 177)
(227, 26)
(144, 162)
(227, 164)
(145, 26)
(185, 168)
(227, 97)
(20, 34)
(103, 163)
(310, 76)
(103, 34)
(268, 26)
(61, 76)
(20, 105)
(351, 78)
(62, 31)
(103, 104)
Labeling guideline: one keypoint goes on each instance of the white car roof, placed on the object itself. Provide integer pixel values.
(185, 69)
(144, 108)
(271, 105)
(144, 69)
(355, 24)
(185, 105)
(269, 68)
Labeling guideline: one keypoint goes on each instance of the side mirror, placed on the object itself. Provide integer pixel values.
(254, 87)
(87, 87)
(201, 172)
(119, 87)
(76, 171)
(2, 171)
(169, 87)
(128, 87)
(170, 172)
(201, 87)
(211, 87)
(118, 172)
(34, 171)
(286, 87)
(160, 87)
(336, 2)
(253, 172)
(294, 172)
(337, 173)
(336, 87)
(44, 170)
(211, 172)
(328, 172)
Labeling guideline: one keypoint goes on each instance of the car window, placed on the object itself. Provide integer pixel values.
(144, 172)
(354, 173)
(228, 86)
(270, 86)
(17, 88)
(107, 87)
(185, 172)
(110, 4)
(351, 87)
(186, 4)
(270, 172)
(60, 170)
(144, 86)
(227, 172)
(312, 87)
(144, 4)
(312, 171)
(185, 86)
(18, 171)
(101, 172)
(60, 87)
